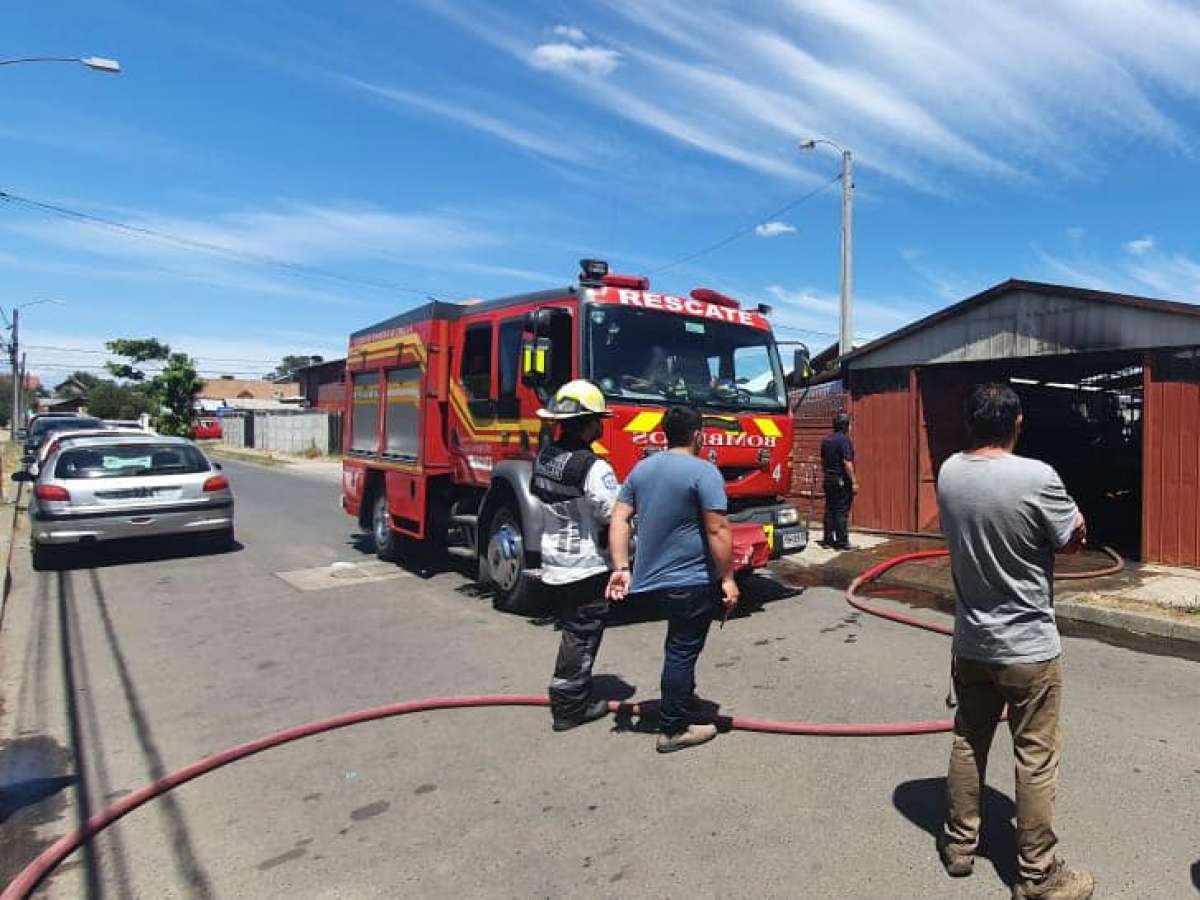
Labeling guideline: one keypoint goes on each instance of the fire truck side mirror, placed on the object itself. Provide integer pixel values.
(536, 360)
(801, 366)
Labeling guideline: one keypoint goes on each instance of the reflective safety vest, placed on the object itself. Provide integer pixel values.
(559, 474)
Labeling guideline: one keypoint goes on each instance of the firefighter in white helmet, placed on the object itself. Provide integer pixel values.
(579, 490)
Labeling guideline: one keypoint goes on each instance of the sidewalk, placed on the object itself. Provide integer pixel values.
(321, 467)
(1144, 599)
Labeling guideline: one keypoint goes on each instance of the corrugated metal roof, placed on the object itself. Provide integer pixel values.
(1028, 319)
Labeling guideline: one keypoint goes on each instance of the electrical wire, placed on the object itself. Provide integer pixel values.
(106, 352)
(300, 269)
(729, 239)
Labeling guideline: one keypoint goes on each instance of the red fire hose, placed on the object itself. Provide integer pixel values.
(33, 874)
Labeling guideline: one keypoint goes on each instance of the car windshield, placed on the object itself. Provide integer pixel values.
(130, 460)
(75, 423)
(651, 356)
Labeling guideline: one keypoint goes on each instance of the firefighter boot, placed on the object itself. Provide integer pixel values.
(693, 736)
(1061, 883)
(597, 709)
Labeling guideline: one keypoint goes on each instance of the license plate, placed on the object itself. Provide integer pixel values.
(792, 540)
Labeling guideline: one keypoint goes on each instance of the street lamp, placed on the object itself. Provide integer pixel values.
(846, 329)
(95, 63)
(13, 353)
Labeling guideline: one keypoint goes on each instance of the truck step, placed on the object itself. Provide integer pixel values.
(465, 519)
(464, 552)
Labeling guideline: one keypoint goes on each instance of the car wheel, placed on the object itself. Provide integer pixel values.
(387, 542)
(223, 541)
(46, 557)
(514, 591)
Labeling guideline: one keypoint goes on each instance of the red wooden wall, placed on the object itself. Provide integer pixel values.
(1170, 463)
(813, 420)
(883, 422)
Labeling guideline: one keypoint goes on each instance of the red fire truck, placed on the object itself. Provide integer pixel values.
(442, 429)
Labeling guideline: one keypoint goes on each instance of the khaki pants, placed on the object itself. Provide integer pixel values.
(1033, 693)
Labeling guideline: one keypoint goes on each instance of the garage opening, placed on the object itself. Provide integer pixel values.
(1083, 416)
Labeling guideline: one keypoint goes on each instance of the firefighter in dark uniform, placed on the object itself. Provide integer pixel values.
(841, 483)
(579, 490)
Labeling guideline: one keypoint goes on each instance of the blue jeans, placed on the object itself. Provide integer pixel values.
(690, 611)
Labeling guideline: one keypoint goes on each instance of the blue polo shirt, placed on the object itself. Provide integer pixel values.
(670, 492)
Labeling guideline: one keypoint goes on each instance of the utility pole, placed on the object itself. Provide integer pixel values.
(846, 330)
(16, 384)
(21, 413)
(846, 326)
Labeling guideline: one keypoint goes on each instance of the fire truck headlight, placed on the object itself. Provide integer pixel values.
(787, 515)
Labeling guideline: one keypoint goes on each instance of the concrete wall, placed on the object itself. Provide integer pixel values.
(292, 432)
(233, 431)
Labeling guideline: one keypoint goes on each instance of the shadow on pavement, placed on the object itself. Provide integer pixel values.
(646, 720)
(923, 802)
(136, 550)
(15, 796)
(1196, 874)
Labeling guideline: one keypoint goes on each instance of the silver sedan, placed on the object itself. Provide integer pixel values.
(106, 488)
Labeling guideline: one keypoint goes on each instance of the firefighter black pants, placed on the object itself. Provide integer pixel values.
(838, 497)
(582, 610)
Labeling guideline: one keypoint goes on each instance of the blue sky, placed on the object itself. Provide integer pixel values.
(476, 149)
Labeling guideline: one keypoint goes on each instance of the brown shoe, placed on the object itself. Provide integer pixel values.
(958, 865)
(1061, 883)
(692, 737)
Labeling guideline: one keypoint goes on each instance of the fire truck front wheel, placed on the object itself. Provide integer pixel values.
(387, 542)
(514, 590)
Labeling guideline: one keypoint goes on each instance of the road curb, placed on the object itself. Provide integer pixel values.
(266, 462)
(8, 530)
(1122, 620)
(1117, 620)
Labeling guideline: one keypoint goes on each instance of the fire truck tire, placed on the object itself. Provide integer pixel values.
(387, 542)
(513, 590)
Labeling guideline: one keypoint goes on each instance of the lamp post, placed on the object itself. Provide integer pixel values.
(95, 63)
(846, 327)
(13, 352)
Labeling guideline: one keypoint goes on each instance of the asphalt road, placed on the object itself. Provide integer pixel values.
(137, 663)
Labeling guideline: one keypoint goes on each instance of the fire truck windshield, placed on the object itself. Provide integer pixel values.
(649, 356)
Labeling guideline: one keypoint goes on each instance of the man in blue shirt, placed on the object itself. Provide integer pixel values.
(684, 560)
(840, 483)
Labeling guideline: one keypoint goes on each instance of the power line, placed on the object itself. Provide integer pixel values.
(729, 239)
(106, 352)
(300, 269)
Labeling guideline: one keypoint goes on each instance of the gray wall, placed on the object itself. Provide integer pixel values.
(1027, 324)
(233, 431)
(290, 432)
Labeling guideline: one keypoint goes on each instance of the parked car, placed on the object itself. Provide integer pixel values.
(42, 426)
(107, 488)
(207, 430)
(55, 438)
(127, 424)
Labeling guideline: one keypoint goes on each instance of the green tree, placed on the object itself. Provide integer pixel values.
(86, 380)
(28, 400)
(110, 400)
(173, 390)
(289, 364)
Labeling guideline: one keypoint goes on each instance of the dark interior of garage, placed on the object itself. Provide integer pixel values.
(1083, 416)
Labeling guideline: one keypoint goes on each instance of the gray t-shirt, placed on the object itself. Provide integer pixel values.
(670, 492)
(1003, 518)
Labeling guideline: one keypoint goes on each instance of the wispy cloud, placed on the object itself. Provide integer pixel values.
(535, 139)
(1149, 270)
(1139, 246)
(773, 229)
(571, 33)
(918, 91)
(571, 57)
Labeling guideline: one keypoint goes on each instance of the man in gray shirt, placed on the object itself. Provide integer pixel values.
(1004, 517)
